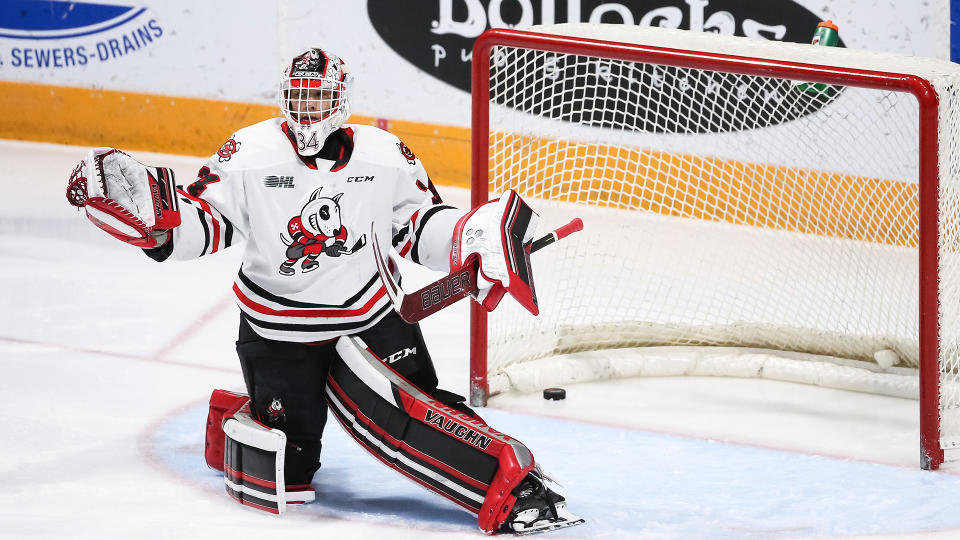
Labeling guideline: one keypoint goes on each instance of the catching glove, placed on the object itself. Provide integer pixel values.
(128, 200)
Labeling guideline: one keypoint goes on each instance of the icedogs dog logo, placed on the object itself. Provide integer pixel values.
(318, 230)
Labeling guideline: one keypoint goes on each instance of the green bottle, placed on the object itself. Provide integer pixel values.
(827, 35)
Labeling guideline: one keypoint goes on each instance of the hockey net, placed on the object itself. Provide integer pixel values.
(783, 210)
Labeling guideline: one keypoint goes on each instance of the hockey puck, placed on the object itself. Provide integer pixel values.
(554, 393)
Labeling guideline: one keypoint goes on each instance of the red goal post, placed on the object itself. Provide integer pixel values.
(634, 148)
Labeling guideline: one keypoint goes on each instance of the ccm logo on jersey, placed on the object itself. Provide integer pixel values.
(360, 179)
(403, 353)
(278, 181)
(456, 429)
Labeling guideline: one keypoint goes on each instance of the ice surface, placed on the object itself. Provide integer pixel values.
(108, 359)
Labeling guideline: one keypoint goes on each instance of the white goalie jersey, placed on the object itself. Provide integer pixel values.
(308, 272)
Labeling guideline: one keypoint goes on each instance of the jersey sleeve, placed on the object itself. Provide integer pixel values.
(422, 224)
(212, 215)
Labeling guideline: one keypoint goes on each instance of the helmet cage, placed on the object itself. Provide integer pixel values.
(306, 101)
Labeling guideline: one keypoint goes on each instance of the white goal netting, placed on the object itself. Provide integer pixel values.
(722, 209)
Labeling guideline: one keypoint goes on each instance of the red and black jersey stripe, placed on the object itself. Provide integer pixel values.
(217, 229)
(339, 327)
(277, 299)
(415, 251)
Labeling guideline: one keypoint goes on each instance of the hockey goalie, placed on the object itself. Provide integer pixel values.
(309, 195)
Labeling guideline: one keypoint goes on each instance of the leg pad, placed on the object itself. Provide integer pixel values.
(253, 465)
(223, 403)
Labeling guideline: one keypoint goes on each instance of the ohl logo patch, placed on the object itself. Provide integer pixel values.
(228, 149)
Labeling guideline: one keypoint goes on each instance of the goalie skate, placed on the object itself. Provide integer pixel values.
(538, 509)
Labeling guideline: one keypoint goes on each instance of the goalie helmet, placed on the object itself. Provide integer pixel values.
(315, 97)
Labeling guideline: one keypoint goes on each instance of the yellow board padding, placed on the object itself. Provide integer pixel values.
(723, 190)
(188, 126)
(783, 198)
(444, 150)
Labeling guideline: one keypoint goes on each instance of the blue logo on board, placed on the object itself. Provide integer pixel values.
(61, 34)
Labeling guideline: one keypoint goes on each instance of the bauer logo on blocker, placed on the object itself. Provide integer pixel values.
(38, 34)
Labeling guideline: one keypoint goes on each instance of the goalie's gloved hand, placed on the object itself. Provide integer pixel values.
(128, 200)
(499, 232)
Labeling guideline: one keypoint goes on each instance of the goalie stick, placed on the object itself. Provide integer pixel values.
(414, 307)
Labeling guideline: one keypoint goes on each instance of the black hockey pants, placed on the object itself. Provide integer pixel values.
(389, 404)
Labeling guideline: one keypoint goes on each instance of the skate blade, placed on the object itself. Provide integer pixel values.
(548, 526)
(566, 520)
